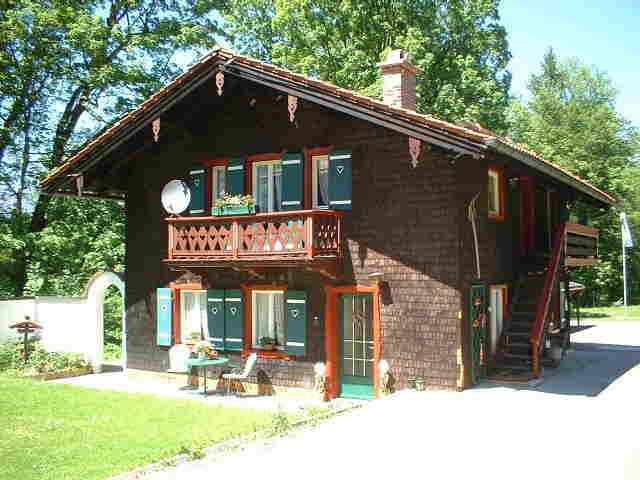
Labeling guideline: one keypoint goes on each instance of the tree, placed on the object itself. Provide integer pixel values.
(460, 47)
(571, 119)
(68, 68)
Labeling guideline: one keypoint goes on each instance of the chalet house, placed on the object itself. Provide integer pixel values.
(379, 233)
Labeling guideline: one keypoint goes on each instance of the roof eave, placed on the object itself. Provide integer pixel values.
(550, 170)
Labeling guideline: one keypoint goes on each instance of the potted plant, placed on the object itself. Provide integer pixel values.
(205, 350)
(234, 205)
(268, 343)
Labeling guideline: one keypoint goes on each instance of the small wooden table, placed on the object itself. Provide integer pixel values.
(204, 364)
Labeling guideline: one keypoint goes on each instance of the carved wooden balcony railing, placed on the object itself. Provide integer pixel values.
(279, 238)
(581, 245)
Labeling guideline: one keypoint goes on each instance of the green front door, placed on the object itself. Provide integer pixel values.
(357, 346)
(478, 317)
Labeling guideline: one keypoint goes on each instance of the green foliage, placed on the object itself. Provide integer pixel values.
(460, 47)
(280, 423)
(608, 314)
(113, 303)
(571, 119)
(39, 361)
(52, 431)
(82, 237)
(68, 68)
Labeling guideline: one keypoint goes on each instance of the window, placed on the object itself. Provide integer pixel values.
(193, 315)
(218, 182)
(498, 305)
(267, 186)
(268, 316)
(320, 181)
(496, 193)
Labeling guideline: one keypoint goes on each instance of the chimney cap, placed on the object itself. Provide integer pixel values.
(398, 58)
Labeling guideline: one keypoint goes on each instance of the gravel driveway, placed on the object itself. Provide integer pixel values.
(567, 427)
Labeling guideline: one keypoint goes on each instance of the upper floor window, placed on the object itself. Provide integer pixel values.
(496, 194)
(218, 182)
(267, 185)
(320, 181)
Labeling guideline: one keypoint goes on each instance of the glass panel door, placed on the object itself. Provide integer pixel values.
(357, 346)
(267, 186)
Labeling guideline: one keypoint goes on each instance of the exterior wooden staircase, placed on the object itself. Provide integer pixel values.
(524, 333)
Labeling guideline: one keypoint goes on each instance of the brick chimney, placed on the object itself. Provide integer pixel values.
(399, 80)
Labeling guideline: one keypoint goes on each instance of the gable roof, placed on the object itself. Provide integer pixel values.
(473, 141)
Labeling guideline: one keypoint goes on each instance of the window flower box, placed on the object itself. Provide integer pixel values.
(238, 210)
(234, 205)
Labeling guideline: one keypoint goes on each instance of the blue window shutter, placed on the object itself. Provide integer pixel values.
(293, 181)
(164, 313)
(234, 319)
(340, 180)
(215, 318)
(235, 176)
(198, 187)
(296, 310)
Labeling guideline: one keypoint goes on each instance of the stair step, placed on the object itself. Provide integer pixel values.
(510, 333)
(519, 327)
(518, 345)
(511, 366)
(519, 356)
(515, 316)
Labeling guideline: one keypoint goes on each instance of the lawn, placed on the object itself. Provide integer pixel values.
(52, 431)
(617, 314)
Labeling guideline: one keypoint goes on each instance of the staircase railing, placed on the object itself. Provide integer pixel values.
(542, 308)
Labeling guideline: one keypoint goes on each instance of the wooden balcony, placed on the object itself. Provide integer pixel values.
(581, 245)
(308, 238)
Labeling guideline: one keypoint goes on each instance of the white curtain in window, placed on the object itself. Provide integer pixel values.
(277, 187)
(268, 316)
(278, 317)
(193, 314)
(262, 188)
(323, 181)
(261, 316)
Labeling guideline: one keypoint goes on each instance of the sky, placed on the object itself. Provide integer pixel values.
(603, 33)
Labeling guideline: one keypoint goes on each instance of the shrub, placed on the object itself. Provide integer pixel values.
(40, 360)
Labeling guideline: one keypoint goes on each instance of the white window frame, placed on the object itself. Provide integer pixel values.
(494, 177)
(254, 321)
(215, 174)
(496, 316)
(314, 180)
(203, 320)
(254, 181)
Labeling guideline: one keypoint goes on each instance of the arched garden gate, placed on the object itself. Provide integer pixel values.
(95, 293)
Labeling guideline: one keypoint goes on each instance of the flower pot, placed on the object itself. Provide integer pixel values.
(411, 381)
(233, 210)
(420, 384)
(269, 346)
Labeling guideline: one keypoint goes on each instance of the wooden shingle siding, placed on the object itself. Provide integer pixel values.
(403, 225)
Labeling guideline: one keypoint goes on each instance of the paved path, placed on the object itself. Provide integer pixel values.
(566, 428)
(292, 401)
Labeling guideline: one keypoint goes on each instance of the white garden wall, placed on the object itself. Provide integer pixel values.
(70, 324)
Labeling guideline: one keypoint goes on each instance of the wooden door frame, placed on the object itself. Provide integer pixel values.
(331, 336)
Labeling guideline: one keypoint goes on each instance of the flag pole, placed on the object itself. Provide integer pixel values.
(624, 256)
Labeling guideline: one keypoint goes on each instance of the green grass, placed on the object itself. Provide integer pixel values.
(53, 431)
(616, 314)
